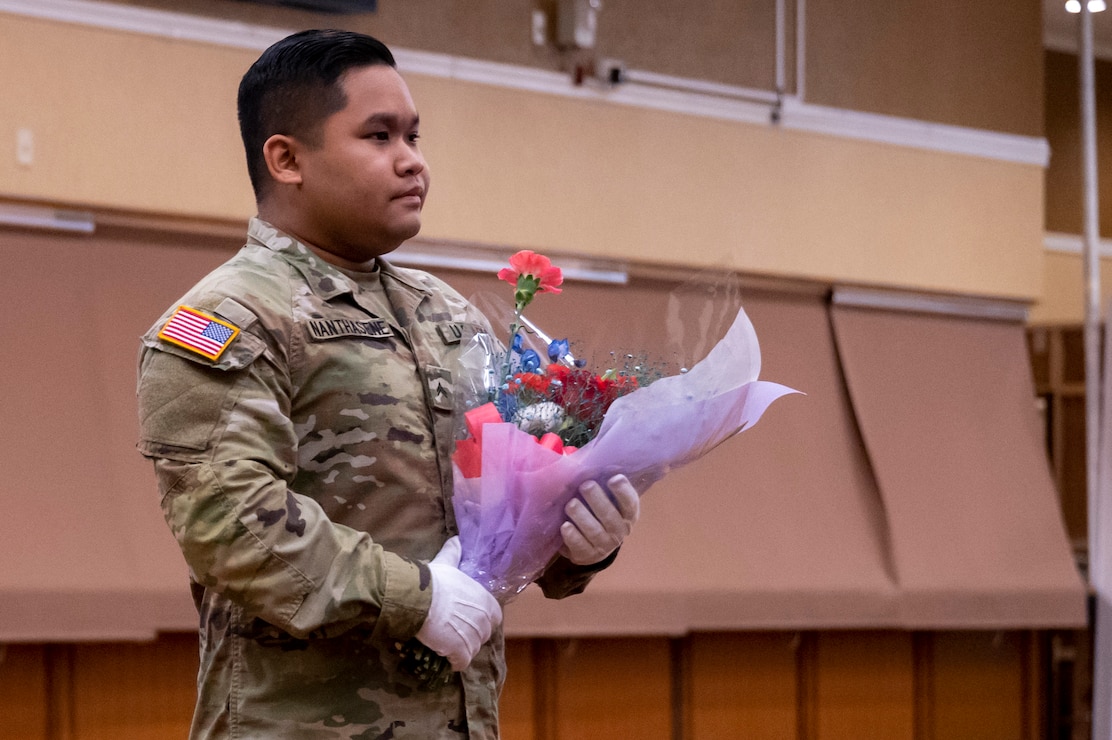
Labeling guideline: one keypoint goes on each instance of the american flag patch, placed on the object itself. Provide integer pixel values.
(198, 332)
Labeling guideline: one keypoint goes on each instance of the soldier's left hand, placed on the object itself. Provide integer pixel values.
(598, 523)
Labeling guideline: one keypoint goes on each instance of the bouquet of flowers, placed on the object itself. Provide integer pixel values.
(532, 432)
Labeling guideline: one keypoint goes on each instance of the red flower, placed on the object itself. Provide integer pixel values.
(531, 273)
(534, 382)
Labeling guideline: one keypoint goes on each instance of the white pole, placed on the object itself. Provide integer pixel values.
(1091, 252)
(800, 47)
(1102, 636)
(781, 75)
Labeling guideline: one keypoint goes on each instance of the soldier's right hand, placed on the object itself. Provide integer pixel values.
(462, 614)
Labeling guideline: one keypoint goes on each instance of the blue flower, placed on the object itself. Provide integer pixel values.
(557, 348)
(506, 405)
(530, 361)
(517, 343)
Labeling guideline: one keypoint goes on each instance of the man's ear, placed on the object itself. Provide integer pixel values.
(281, 155)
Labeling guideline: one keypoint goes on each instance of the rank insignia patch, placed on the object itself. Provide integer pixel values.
(198, 332)
(439, 380)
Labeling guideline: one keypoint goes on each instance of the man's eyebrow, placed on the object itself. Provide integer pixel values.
(393, 120)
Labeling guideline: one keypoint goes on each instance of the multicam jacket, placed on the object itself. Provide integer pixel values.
(298, 417)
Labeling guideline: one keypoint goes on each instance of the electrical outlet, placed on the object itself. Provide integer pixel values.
(24, 147)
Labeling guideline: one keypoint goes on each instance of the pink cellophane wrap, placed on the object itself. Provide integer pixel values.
(509, 517)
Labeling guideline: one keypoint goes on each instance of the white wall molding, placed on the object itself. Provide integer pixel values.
(795, 115)
(1056, 241)
(147, 21)
(915, 133)
(915, 302)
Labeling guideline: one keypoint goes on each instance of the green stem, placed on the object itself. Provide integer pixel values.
(515, 326)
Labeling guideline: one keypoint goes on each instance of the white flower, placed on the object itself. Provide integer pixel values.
(539, 418)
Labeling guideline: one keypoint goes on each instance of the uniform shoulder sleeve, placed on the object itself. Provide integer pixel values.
(192, 357)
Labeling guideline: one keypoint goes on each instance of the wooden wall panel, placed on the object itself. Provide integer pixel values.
(978, 686)
(741, 686)
(1063, 132)
(612, 688)
(958, 62)
(517, 707)
(1057, 356)
(755, 685)
(134, 691)
(852, 702)
(23, 692)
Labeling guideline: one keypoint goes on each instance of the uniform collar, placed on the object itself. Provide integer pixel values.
(324, 279)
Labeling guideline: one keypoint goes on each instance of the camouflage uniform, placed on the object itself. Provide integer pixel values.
(305, 474)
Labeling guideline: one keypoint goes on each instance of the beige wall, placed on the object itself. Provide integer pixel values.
(146, 124)
(122, 120)
(1063, 298)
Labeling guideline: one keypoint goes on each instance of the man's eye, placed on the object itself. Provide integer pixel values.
(379, 135)
(413, 138)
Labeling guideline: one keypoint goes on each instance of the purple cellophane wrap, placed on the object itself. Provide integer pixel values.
(509, 517)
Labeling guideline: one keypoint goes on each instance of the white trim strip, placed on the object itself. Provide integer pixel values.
(1056, 241)
(796, 115)
(914, 133)
(966, 307)
(425, 252)
(50, 219)
(414, 258)
(148, 22)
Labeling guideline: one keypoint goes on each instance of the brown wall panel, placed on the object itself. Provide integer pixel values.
(24, 686)
(741, 686)
(134, 691)
(613, 688)
(755, 685)
(1064, 195)
(978, 685)
(959, 62)
(853, 703)
(728, 41)
(1071, 466)
(518, 705)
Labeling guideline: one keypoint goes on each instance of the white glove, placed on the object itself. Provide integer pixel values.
(462, 613)
(597, 525)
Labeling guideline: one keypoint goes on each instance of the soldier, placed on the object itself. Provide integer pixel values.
(293, 405)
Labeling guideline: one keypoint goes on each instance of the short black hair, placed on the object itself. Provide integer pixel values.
(295, 85)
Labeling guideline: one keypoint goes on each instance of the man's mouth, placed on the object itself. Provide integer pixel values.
(414, 192)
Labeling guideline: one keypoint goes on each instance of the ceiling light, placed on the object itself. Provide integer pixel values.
(1095, 6)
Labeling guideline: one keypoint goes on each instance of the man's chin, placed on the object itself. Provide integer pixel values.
(407, 232)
